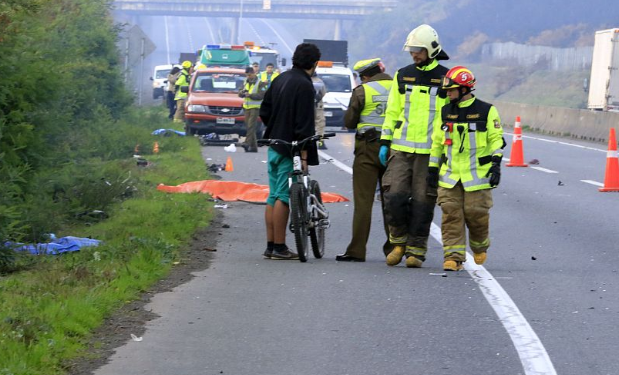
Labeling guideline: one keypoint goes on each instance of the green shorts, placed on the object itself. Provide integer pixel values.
(279, 168)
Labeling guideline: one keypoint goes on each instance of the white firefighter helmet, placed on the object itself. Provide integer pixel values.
(423, 36)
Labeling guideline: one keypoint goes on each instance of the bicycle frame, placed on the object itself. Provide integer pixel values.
(300, 176)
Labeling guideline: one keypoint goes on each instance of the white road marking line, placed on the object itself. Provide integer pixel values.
(167, 38)
(560, 142)
(262, 43)
(593, 183)
(279, 36)
(533, 355)
(210, 30)
(544, 170)
(190, 37)
(335, 162)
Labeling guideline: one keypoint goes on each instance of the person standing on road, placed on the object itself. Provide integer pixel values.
(252, 94)
(413, 114)
(269, 75)
(256, 67)
(288, 112)
(470, 145)
(180, 97)
(319, 114)
(172, 76)
(366, 114)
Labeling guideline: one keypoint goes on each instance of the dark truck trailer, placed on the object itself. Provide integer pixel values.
(331, 50)
(187, 56)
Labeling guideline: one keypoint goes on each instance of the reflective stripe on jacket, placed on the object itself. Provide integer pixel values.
(373, 114)
(468, 139)
(413, 108)
(252, 88)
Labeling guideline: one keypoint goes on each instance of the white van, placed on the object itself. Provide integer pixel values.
(339, 82)
(160, 80)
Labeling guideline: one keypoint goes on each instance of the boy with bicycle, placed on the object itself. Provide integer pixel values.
(288, 112)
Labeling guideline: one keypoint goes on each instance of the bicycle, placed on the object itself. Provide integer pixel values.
(308, 215)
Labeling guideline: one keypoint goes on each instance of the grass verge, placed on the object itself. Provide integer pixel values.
(48, 310)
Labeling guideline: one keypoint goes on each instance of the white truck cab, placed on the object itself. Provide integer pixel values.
(339, 82)
(160, 80)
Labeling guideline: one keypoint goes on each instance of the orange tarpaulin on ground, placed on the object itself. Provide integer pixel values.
(235, 191)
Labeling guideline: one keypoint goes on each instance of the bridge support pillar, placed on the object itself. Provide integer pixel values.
(338, 30)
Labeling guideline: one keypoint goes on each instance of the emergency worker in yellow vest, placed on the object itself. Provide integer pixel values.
(366, 114)
(268, 75)
(181, 97)
(413, 114)
(252, 92)
(465, 164)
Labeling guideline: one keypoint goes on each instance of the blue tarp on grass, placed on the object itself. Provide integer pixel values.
(167, 132)
(57, 246)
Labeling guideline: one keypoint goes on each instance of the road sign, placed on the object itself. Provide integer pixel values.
(138, 45)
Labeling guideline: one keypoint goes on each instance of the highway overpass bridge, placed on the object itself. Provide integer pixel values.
(291, 9)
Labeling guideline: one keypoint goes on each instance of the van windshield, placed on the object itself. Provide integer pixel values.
(219, 82)
(336, 82)
(162, 74)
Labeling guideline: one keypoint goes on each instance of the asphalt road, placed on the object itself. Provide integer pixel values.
(545, 302)
(554, 253)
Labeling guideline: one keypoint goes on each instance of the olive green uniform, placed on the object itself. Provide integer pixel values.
(367, 169)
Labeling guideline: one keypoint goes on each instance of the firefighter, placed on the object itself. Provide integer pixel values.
(470, 144)
(413, 113)
(252, 94)
(268, 75)
(180, 97)
(366, 114)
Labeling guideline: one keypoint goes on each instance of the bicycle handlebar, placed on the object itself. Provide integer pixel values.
(316, 137)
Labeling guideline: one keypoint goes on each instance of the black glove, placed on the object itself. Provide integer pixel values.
(432, 179)
(495, 171)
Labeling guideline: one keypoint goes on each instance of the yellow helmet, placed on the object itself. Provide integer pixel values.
(363, 65)
(423, 36)
(186, 64)
(200, 66)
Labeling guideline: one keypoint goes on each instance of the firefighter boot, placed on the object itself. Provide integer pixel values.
(479, 258)
(452, 265)
(413, 262)
(395, 256)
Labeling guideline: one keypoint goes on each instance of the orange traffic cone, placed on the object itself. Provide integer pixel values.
(517, 156)
(156, 148)
(611, 181)
(229, 167)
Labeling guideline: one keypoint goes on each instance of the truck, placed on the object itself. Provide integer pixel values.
(604, 81)
(224, 55)
(213, 104)
(187, 56)
(264, 55)
(337, 77)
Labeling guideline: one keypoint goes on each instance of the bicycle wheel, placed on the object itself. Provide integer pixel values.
(299, 218)
(317, 233)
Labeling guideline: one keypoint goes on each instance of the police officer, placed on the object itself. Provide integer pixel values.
(366, 114)
(413, 113)
(268, 75)
(470, 144)
(252, 93)
(180, 97)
